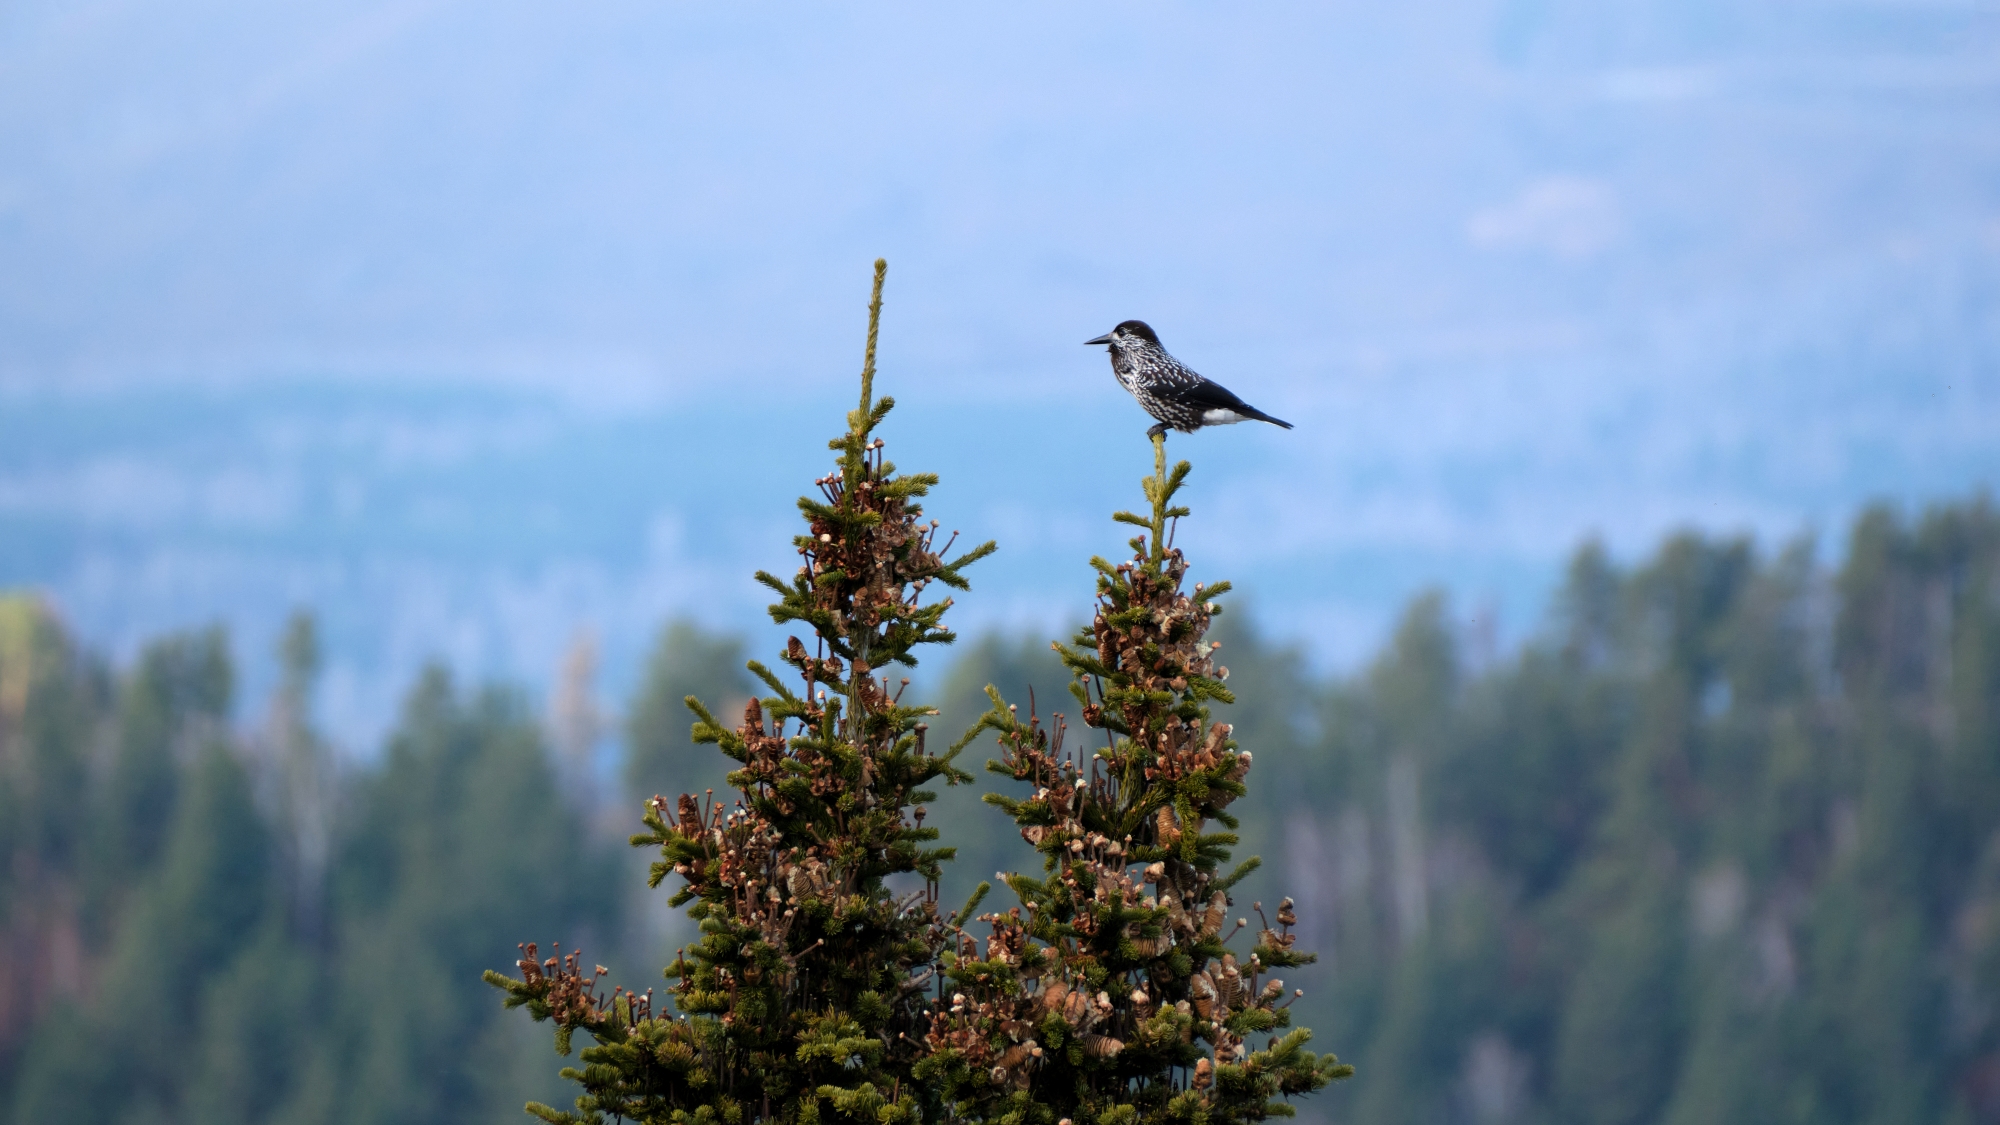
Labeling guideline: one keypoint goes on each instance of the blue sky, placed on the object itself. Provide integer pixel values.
(470, 325)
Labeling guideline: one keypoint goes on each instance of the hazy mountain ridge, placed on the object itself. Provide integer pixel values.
(446, 311)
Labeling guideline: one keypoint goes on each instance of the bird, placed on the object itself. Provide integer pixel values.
(1169, 390)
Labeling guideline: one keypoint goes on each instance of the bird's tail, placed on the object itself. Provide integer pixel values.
(1253, 412)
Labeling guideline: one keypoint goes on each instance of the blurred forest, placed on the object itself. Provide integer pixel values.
(1720, 843)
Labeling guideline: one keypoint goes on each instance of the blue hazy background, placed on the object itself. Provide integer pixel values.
(469, 326)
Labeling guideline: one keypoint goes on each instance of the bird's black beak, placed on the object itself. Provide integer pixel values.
(1104, 339)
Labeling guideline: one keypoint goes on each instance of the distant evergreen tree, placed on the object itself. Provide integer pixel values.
(686, 660)
(176, 699)
(803, 1000)
(49, 697)
(463, 832)
(53, 700)
(299, 781)
(190, 921)
(1111, 994)
(1390, 741)
(1621, 1031)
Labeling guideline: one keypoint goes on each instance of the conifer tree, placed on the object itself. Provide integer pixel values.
(804, 998)
(1112, 995)
(298, 782)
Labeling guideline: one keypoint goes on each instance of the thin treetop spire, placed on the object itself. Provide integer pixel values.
(874, 327)
(1159, 490)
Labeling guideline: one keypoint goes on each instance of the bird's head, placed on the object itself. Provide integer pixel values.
(1131, 334)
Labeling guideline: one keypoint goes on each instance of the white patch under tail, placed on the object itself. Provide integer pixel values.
(1220, 417)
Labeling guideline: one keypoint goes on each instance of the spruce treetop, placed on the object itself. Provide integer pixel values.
(1112, 995)
(805, 998)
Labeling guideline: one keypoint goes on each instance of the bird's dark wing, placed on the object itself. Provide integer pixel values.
(1207, 394)
(1211, 395)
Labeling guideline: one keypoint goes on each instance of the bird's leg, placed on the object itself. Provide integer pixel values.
(1158, 433)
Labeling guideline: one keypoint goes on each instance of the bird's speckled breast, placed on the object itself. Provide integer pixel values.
(1124, 367)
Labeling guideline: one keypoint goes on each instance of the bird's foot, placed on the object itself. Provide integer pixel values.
(1157, 431)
